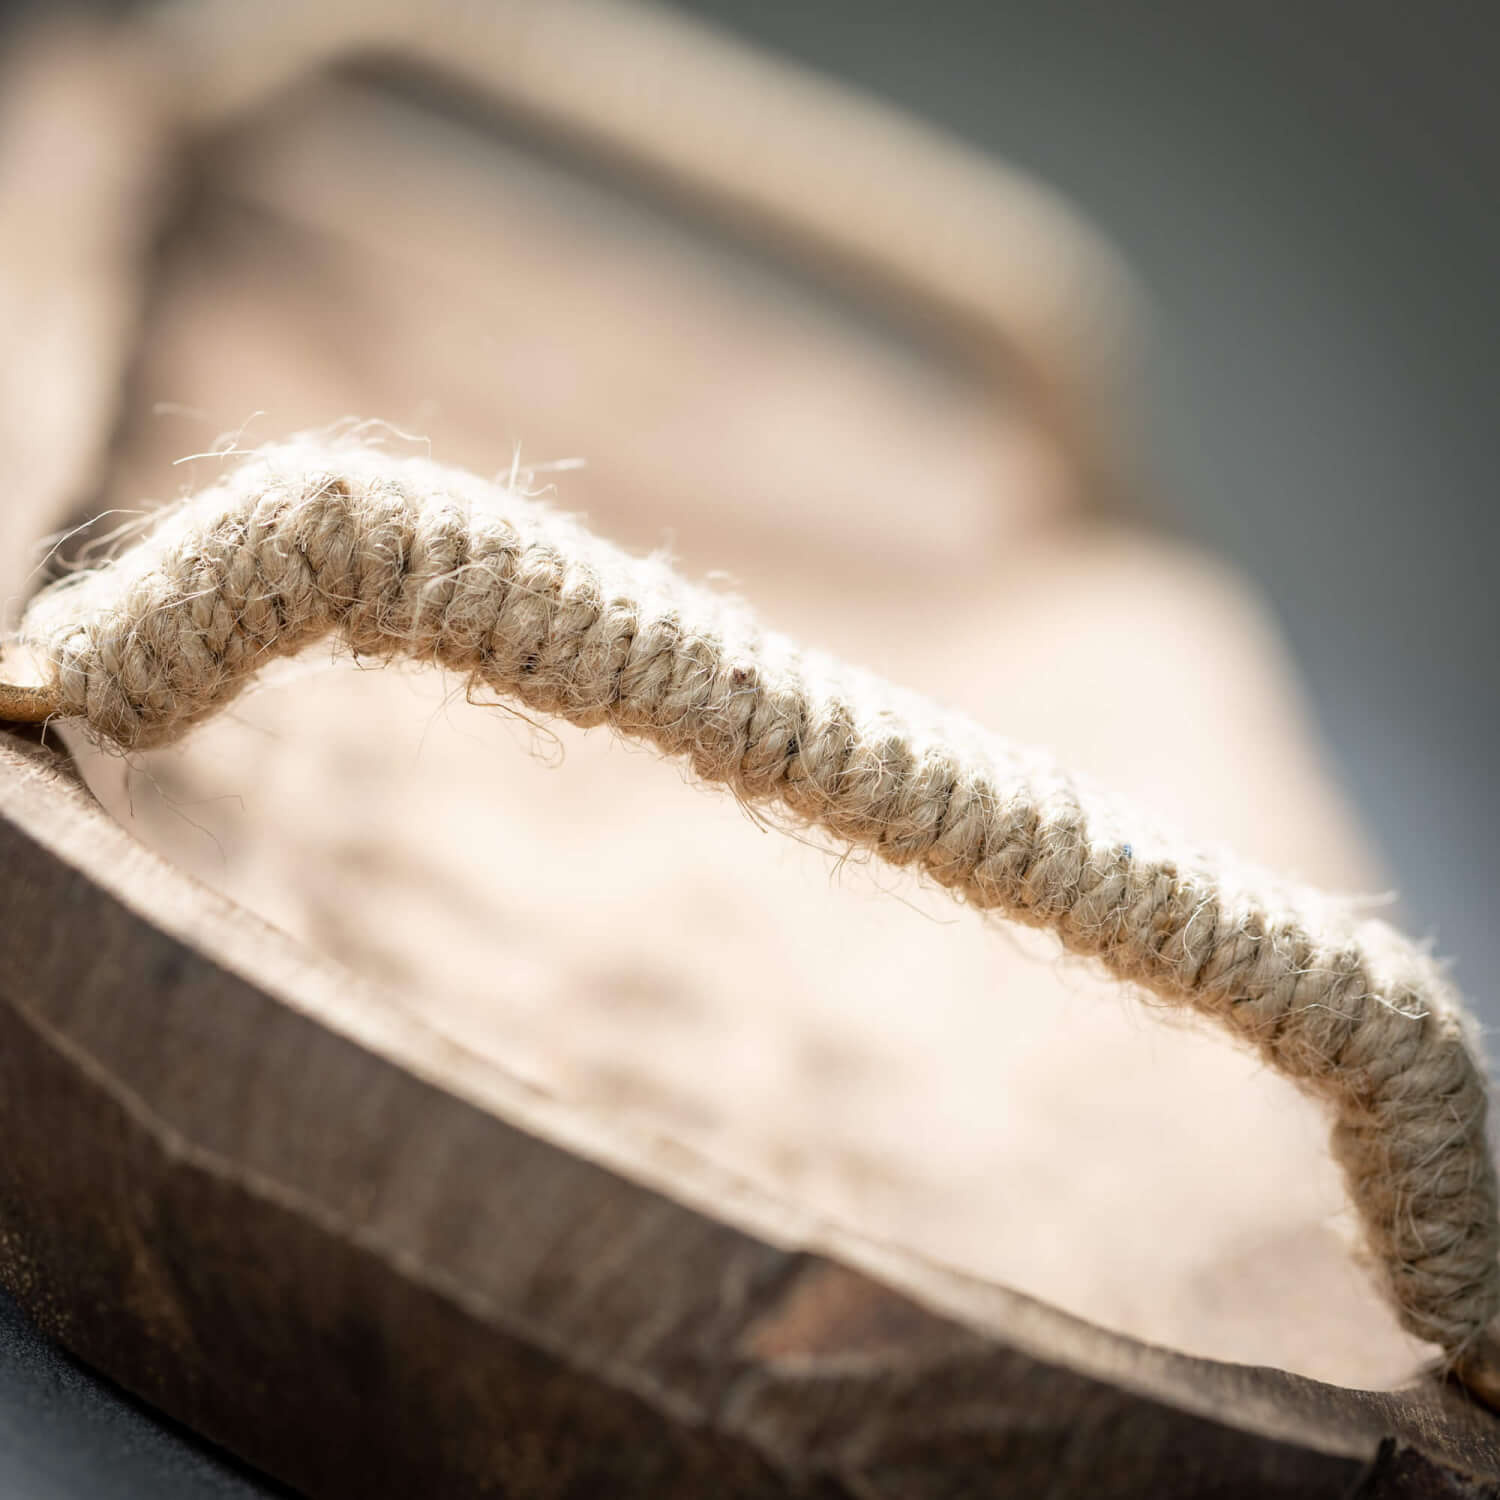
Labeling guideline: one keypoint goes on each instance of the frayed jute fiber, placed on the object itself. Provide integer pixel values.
(402, 558)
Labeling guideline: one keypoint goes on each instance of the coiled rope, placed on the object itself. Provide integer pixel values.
(404, 558)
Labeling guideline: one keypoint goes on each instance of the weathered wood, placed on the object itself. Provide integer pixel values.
(261, 1195)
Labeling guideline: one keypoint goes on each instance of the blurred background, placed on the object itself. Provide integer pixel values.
(1305, 201)
(1307, 195)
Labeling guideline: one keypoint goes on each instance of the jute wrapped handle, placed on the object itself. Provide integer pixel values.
(403, 558)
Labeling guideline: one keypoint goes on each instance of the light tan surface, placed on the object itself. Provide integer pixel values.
(827, 1027)
(80, 168)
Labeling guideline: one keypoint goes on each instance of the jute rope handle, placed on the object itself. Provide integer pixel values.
(403, 558)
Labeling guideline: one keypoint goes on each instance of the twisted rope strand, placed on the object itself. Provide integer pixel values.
(403, 558)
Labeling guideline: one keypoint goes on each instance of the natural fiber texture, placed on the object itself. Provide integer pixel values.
(402, 558)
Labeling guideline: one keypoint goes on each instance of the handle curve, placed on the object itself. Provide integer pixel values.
(405, 558)
(1008, 273)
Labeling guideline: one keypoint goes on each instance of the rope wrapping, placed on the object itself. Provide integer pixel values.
(404, 558)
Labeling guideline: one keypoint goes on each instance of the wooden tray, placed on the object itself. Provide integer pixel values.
(318, 1216)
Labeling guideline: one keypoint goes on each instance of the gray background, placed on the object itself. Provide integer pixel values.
(1308, 193)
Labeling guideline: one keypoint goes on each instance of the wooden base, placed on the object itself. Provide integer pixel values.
(263, 1196)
